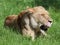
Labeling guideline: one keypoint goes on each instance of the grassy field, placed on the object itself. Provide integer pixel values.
(9, 37)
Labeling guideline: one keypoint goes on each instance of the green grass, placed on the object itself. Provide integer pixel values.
(9, 37)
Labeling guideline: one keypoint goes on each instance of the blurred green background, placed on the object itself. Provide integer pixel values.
(10, 37)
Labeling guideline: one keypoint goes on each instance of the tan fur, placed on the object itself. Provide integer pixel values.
(29, 20)
(10, 20)
(40, 14)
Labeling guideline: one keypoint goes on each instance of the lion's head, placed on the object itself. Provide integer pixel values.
(41, 15)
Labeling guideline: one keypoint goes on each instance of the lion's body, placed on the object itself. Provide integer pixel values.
(30, 20)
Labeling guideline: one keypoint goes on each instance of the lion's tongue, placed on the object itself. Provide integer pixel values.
(49, 24)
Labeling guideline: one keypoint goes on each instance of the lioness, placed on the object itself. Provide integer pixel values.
(31, 21)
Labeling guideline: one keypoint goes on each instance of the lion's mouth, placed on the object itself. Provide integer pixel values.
(43, 27)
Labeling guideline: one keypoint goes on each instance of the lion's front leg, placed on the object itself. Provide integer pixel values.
(27, 31)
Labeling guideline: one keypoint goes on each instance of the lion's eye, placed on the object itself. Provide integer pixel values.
(42, 14)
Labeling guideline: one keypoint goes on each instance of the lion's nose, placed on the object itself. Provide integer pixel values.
(50, 21)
